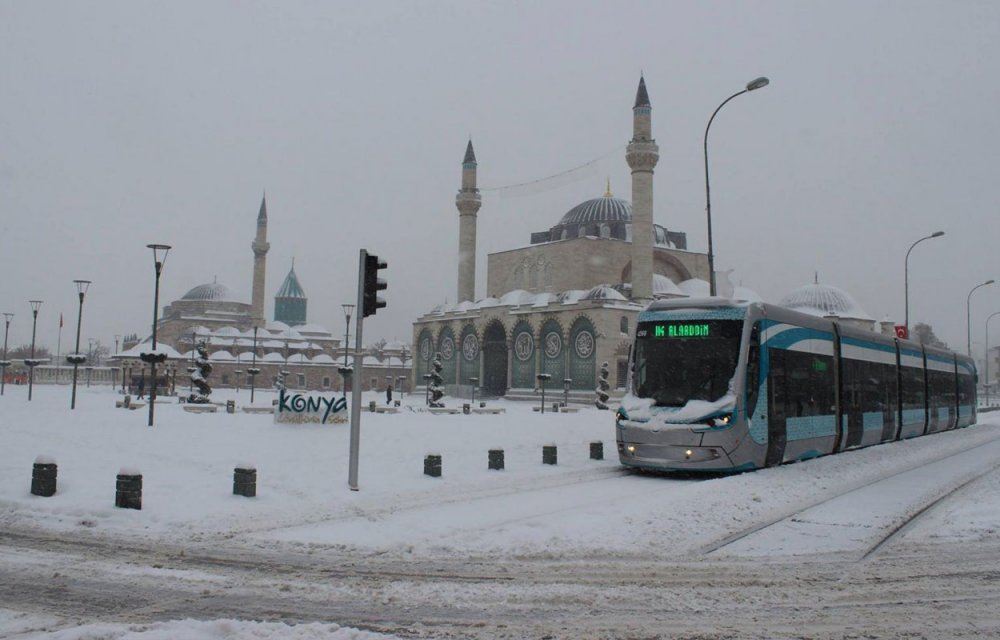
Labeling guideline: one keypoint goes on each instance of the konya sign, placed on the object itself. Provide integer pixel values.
(298, 408)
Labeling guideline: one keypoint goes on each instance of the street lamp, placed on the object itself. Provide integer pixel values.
(751, 86)
(348, 310)
(968, 317)
(542, 377)
(987, 385)
(906, 279)
(159, 257)
(76, 358)
(252, 371)
(35, 305)
(7, 317)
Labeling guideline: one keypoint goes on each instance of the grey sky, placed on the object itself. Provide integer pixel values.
(126, 123)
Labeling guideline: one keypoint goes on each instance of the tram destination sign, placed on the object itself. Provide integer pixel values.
(668, 330)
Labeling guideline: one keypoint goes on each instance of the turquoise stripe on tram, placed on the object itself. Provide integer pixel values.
(872, 421)
(806, 427)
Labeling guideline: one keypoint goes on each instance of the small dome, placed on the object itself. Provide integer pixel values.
(211, 291)
(606, 209)
(695, 287)
(664, 287)
(604, 292)
(517, 297)
(823, 299)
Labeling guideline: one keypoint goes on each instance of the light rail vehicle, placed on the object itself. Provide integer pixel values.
(723, 386)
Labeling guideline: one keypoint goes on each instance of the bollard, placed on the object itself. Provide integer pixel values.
(371, 406)
(549, 454)
(466, 408)
(555, 407)
(230, 406)
(126, 402)
(432, 465)
(482, 405)
(395, 403)
(597, 450)
(43, 477)
(245, 481)
(128, 494)
(496, 459)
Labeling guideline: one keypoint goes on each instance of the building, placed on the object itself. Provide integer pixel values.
(303, 355)
(566, 303)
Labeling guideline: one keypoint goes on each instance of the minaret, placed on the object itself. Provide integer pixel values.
(468, 202)
(260, 247)
(642, 155)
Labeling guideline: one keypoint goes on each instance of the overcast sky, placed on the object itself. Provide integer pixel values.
(128, 123)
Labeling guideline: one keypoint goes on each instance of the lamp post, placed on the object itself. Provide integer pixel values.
(474, 380)
(7, 317)
(751, 86)
(906, 279)
(253, 370)
(968, 316)
(159, 257)
(348, 310)
(35, 305)
(76, 359)
(542, 377)
(987, 385)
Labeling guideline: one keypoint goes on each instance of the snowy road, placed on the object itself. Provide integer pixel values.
(579, 550)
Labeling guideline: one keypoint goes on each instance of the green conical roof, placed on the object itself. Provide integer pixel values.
(291, 288)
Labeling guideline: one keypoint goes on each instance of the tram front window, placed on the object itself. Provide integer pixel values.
(678, 361)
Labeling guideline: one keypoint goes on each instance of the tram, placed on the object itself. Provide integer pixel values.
(723, 386)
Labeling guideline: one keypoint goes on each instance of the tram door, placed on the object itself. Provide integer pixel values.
(777, 391)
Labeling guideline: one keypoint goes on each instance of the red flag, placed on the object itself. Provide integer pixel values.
(60, 321)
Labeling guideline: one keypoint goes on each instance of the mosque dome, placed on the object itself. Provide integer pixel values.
(664, 287)
(605, 209)
(604, 292)
(212, 291)
(823, 299)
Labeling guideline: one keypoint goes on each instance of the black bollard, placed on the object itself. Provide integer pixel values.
(371, 406)
(432, 465)
(245, 481)
(549, 454)
(597, 450)
(466, 408)
(496, 459)
(129, 491)
(230, 406)
(43, 478)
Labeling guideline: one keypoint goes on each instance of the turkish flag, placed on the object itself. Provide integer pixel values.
(902, 332)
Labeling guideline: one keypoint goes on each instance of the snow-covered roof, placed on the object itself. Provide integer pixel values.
(222, 356)
(146, 347)
(604, 292)
(824, 300)
(272, 357)
(664, 287)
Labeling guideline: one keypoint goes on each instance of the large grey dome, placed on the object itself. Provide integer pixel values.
(606, 209)
(826, 299)
(211, 291)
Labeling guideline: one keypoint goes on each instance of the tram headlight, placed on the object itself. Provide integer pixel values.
(688, 453)
(631, 449)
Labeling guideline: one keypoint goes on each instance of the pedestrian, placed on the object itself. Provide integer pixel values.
(142, 387)
(388, 394)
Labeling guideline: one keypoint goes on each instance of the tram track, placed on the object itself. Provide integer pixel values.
(797, 511)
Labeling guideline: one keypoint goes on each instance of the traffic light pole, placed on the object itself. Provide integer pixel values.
(352, 479)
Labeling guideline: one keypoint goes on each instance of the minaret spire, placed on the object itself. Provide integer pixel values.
(260, 247)
(642, 155)
(468, 202)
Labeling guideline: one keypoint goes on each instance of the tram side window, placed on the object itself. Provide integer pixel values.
(870, 387)
(942, 389)
(913, 388)
(809, 381)
(966, 389)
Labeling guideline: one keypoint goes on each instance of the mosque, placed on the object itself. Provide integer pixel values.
(305, 355)
(567, 303)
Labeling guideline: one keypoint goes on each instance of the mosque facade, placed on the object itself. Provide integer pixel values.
(565, 304)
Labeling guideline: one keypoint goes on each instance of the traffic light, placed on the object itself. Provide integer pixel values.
(373, 284)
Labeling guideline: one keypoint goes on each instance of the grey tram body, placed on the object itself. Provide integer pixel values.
(860, 388)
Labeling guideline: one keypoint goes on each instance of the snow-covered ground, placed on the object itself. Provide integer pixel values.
(581, 517)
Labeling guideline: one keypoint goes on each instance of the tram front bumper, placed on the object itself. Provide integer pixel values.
(675, 451)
